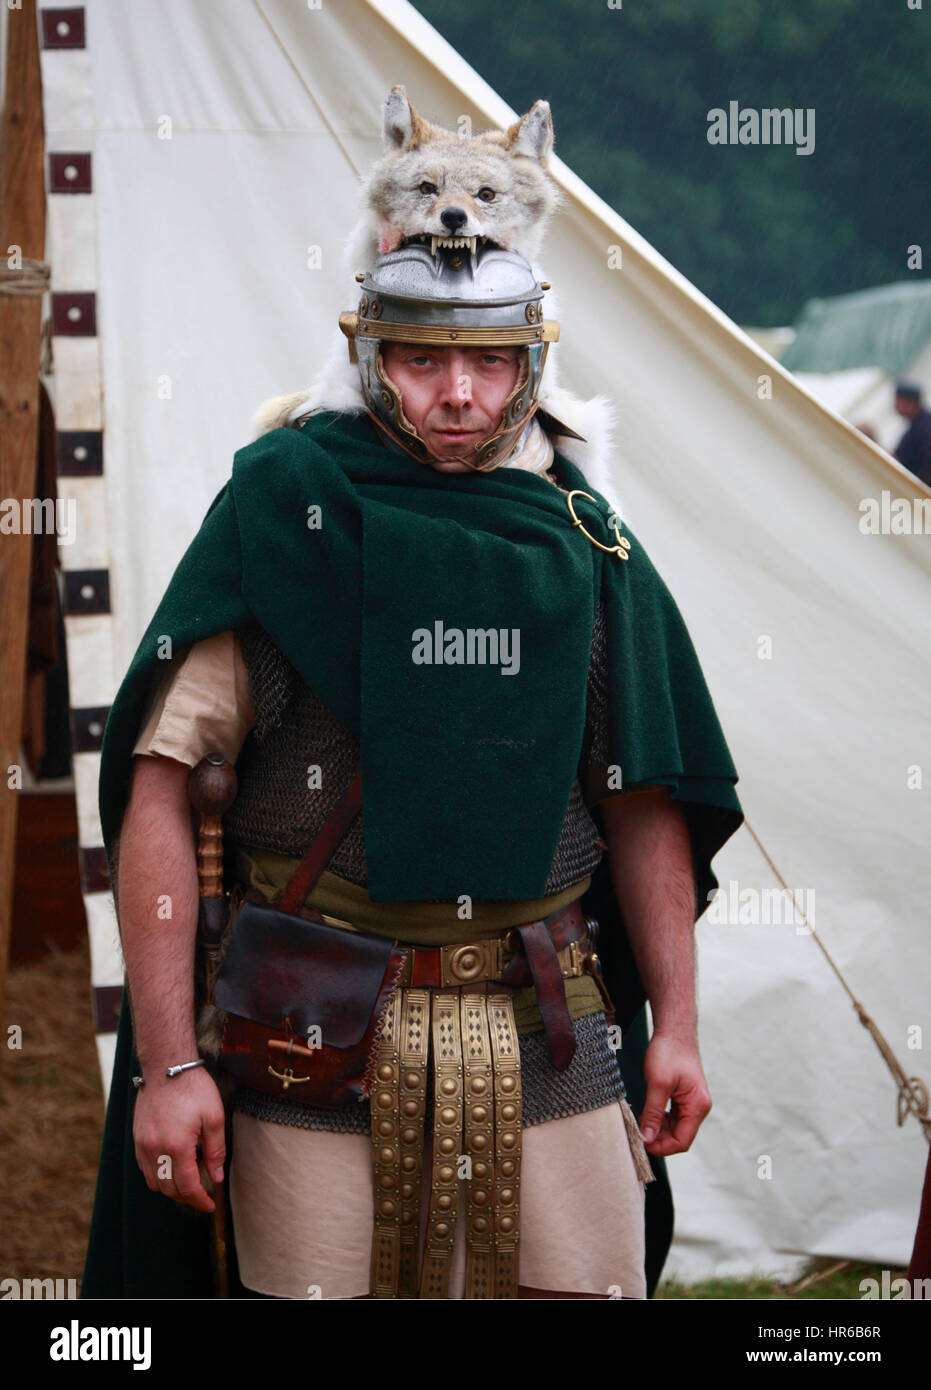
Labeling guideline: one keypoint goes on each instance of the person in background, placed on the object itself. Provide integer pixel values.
(914, 448)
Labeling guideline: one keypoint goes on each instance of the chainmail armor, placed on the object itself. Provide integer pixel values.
(591, 1080)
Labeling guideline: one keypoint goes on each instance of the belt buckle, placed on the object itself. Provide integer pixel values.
(470, 962)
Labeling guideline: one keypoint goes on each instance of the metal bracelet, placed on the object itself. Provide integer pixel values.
(172, 1071)
(184, 1066)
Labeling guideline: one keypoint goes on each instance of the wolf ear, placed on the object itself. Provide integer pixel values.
(533, 133)
(403, 126)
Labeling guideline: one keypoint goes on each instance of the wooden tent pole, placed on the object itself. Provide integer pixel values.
(22, 226)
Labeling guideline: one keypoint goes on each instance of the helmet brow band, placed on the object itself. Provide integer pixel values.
(429, 334)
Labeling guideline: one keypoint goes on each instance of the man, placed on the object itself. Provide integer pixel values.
(461, 540)
(914, 448)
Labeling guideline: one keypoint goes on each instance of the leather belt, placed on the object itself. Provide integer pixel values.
(542, 953)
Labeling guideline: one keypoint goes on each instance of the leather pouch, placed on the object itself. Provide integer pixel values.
(304, 1003)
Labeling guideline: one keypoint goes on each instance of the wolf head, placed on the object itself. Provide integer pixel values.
(437, 183)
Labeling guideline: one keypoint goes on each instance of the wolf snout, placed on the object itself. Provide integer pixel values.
(454, 218)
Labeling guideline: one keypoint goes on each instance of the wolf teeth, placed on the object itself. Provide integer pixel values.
(453, 243)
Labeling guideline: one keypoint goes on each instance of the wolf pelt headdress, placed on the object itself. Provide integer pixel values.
(498, 180)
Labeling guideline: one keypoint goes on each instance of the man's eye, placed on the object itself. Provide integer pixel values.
(427, 187)
(486, 194)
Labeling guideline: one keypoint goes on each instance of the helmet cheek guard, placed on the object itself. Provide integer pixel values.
(450, 298)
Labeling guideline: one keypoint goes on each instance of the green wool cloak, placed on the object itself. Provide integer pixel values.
(446, 619)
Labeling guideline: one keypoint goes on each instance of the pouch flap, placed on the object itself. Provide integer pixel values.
(279, 967)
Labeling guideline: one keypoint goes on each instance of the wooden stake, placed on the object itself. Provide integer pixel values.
(22, 225)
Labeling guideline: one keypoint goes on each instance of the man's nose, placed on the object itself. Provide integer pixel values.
(454, 218)
(457, 388)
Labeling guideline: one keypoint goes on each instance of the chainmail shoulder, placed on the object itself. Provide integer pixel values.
(274, 681)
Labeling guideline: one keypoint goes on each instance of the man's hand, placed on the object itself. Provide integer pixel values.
(673, 1071)
(173, 1115)
(651, 866)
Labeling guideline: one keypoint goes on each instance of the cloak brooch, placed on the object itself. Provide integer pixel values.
(623, 544)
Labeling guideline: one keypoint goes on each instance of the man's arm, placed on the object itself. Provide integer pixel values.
(158, 876)
(651, 867)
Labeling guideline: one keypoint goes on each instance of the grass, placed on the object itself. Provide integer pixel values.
(824, 1279)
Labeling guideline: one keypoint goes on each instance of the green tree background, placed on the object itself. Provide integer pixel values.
(758, 229)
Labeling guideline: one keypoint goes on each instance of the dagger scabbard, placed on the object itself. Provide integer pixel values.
(212, 789)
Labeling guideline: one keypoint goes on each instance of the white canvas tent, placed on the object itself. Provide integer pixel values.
(225, 144)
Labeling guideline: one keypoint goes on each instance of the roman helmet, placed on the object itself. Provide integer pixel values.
(470, 295)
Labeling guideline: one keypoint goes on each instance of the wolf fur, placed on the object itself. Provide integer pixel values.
(462, 170)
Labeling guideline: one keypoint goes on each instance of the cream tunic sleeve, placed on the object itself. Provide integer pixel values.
(202, 706)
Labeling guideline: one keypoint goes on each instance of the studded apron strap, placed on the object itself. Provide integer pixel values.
(472, 1038)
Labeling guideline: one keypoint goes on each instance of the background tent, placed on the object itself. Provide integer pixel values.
(220, 149)
(850, 351)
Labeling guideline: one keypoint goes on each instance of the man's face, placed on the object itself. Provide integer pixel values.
(452, 396)
(907, 406)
